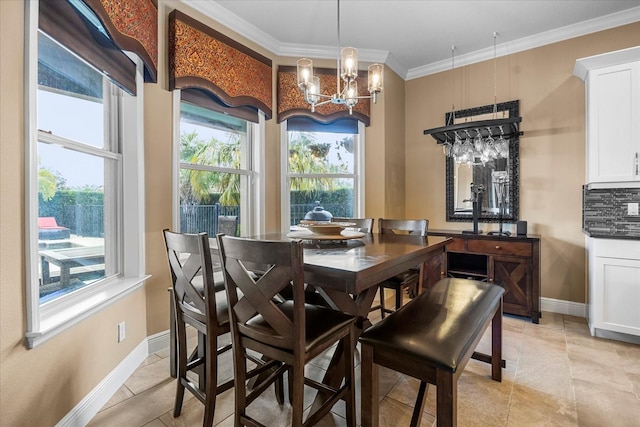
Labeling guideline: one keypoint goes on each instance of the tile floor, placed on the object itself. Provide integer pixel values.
(556, 375)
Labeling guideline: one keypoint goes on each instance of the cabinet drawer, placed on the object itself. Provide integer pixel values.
(500, 247)
(456, 245)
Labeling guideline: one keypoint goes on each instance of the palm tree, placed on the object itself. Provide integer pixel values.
(196, 185)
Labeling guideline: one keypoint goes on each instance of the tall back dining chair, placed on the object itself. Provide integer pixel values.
(408, 279)
(195, 302)
(364, 225)
(284, 330)
(228, 224)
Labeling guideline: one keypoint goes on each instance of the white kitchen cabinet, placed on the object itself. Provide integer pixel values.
(614, 286)
(612, 116)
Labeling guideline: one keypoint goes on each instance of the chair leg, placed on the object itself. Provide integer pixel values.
(382, 306)
(210, 379)
(350, 399)
(181, 366)
(172, 337)
(399, 291)
(240, 385)
(297, 390)
(369, 372)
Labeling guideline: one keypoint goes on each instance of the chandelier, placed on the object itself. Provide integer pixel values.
(477, 142)
(346, 75)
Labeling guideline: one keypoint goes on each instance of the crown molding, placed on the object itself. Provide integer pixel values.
(548, 37)
(235, 23)
(215, 11)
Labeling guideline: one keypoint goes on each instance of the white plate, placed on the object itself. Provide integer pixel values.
(308, 235)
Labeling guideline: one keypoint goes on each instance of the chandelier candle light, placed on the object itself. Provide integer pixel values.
(347, 72)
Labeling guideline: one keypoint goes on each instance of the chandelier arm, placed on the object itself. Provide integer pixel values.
(318, 104)
(321, 95)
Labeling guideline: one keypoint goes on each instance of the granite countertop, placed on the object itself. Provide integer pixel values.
(608, 234)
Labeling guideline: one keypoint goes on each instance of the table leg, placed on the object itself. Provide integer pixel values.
(65, 275)
(46, 275)
(358, 307)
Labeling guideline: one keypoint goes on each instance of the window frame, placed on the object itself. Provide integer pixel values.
(44, 321)
(253, 221)
(358, 175)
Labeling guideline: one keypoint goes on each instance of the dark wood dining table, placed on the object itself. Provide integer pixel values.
(347, 273)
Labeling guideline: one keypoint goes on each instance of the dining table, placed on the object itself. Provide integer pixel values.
(346, 273)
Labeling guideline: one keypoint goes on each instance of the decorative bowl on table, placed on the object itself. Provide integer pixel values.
(325, 227)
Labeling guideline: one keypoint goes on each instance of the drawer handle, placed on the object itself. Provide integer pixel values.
(497, 246)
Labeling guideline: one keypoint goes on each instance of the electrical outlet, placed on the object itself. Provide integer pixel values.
(122, 331)
(632, 209)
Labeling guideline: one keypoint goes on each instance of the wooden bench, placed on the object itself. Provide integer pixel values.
(432, 338)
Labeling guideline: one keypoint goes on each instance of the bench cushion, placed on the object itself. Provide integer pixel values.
(439, 325)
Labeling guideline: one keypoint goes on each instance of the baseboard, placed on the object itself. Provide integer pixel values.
(88, 407)
(570, 308)
(158, 341)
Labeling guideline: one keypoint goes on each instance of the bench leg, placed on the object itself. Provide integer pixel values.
(496, 344)
(446, 400)
(369, 372)
(416, 418)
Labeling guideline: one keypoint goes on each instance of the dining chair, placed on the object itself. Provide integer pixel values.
(198, 302)
(364, 225)
(285, 330)
(408, 279)
(228, 224)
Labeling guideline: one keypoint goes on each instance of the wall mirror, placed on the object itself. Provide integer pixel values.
(460, 176)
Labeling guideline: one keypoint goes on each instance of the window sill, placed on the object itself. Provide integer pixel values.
(55, 319)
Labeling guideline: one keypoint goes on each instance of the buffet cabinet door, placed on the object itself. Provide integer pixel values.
(515, 276)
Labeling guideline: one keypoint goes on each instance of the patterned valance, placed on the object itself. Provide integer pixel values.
(133, 26)
(200, 57)
(291, 102)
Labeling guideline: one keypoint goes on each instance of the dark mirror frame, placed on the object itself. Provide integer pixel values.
(513, 107)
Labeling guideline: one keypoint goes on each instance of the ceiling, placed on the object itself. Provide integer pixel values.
(415, 38)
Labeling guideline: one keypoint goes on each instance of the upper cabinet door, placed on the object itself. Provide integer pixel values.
(613, 123)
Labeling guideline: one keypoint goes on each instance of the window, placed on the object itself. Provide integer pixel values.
(78, 162)
(216, 172)
(81, 127)
(324, 164)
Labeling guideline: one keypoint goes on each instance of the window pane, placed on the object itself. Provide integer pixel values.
(321, 152)
(213, 200)
(334, 194)
(205, 197)
(71, 220)
(70, 92)
(213, 139)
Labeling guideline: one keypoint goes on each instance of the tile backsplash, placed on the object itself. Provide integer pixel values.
(604, 212)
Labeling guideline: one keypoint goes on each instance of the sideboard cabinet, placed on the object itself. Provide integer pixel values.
(511, 262)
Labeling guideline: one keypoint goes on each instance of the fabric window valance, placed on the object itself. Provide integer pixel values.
(75, 30)
(133, 25)
(203, 98)
(291, 102)
(202, 58)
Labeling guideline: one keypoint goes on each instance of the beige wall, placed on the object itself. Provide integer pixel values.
(384, 152)
(40, 386)
(552, 150)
